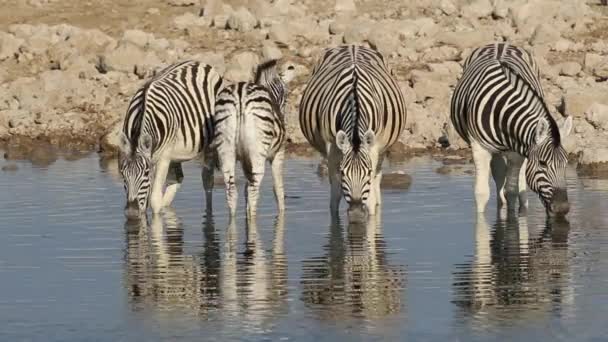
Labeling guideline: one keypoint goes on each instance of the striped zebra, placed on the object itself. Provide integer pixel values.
(249, 126)
(352, 111)
(167, 122)
(498, 108)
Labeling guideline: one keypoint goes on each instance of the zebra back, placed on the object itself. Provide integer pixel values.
(352, 89)
(174, 107)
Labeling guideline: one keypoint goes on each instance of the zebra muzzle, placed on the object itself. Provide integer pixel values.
(132, 209)
(559, 203)
(357, 212)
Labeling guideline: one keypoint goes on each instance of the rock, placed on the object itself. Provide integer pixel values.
(241, 66)
(281, 33)
(597, 115)
(428, 88)
(545, 34)
(182, 2)
(345, 6)
(467, 39)
(271, 51)
(242, 20)
(138, 38)
(448, 7)
(359, 31)
(569, 68)
(340, 24)
(127, 56)
(440, 54)
(577, 100)
(215, 59)
(396, 181)
(477, 9)
(188, 20)
(153, 11)
(501, 9)
(596, 64)
(9, 45)
(10, 167)
(385, 42)
(593, 161)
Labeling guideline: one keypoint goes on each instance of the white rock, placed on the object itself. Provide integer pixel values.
(281, 33)
(597, 115)
(137, 37)
(467, 39)
(345, 6)
(545, 34)
(127, 56)
(448, 7)
(188, 19)
(271, 51)
(569, 68)
(477, 9)
(242, 20)
(577, 100)
(241, 66)
(9, 45)
(594, 156)
(153, 11)
(501, 9)
(596, 64)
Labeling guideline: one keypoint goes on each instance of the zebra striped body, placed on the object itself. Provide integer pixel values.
(249, 126)
(352, 111)
(167, 122)
(498, 107)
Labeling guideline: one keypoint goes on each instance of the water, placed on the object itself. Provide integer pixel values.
(428, 269)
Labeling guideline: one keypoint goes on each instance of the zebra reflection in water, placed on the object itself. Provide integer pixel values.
(514, 276)
(250, 284)
(354, 278)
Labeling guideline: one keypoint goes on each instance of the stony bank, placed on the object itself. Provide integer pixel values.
(68, 69)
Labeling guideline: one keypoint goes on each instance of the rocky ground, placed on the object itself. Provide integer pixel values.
(68, 69)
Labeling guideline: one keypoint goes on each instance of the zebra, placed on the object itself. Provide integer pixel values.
(498, 108)
(352, 110)
(167, 122)
(249, 126)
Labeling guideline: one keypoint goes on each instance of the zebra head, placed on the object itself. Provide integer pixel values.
(357, 170)
(136, 168)
(546, 169)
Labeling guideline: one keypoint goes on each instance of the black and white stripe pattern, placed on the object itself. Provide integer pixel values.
(352, 111)
(499, 109)
(167, 122)
(249, 126)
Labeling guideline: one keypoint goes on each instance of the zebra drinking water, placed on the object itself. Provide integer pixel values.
(352, 111)
(249, 126)
(498, 108)
(167, 122)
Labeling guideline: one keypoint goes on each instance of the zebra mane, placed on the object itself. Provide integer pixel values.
(554, 128)
(356, 138)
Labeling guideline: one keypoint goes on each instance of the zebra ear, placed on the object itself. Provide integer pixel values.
(124, 144)
(145, 145)
(342, 141)
(543, 130)
(566, 127)
(369, 138)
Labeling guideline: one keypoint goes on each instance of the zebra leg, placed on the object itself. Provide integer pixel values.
(277, 177)
(208, 178)
(227, 158)
(334, 180)
(523, 196)
(482, 159)
(254, 179)
(174, 181)
(376, 196)
(513, 181)
(499, 173)
(156, 195)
